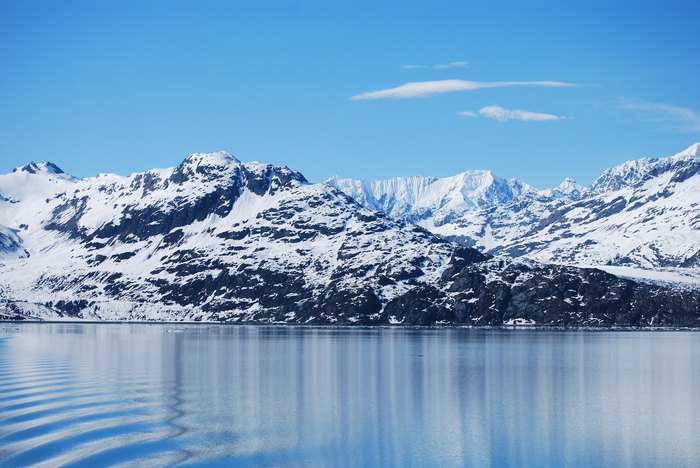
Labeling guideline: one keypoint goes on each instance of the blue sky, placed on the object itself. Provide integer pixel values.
(126, 86)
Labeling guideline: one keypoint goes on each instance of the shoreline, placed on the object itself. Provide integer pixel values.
(348, 326)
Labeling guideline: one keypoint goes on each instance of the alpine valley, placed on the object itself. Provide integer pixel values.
(216, 239)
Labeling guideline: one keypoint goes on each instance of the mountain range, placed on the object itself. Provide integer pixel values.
(217, 239)
(641, 218)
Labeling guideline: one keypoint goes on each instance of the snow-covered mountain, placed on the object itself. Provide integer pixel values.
(216, 239)
(213, 238)
(431, 200)
(642, 214)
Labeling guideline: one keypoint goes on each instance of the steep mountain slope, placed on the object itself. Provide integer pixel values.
(641, 214)
(215, 239)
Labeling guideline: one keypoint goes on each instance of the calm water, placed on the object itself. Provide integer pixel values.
(90, 395)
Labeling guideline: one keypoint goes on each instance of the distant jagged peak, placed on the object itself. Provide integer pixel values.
(570, 188)
(46, 167)
(567, 189)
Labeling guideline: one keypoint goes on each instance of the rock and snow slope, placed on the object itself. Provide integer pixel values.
(215, 239)
(642, 214)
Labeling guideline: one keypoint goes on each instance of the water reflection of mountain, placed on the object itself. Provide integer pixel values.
(160, 394)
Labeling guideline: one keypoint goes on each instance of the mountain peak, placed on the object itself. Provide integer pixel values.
(570, 186)
(30, 168)
(52, 168)
(34, 168)
(215, 159)
(205, 166)
(691, 152)
(484, 174)
(637, 171)
(567, 189)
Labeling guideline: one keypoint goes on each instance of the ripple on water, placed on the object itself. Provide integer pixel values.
(53, 413)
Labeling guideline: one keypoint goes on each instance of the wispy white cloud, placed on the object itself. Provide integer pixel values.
(468, 114)
(447, 66)
(686, 119)
(504, 115)
(427, 88)
(439, 66)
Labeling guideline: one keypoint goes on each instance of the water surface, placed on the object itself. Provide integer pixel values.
(97, 394)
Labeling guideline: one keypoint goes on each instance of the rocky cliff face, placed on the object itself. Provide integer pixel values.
(215, 239)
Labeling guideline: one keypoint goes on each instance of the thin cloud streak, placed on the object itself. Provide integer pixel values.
(447, 66)
(467, 114)
(428, 88)
(439, 66)
(504, 115)
(688, 120)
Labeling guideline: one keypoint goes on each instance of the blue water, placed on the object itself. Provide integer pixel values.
(101, 394)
